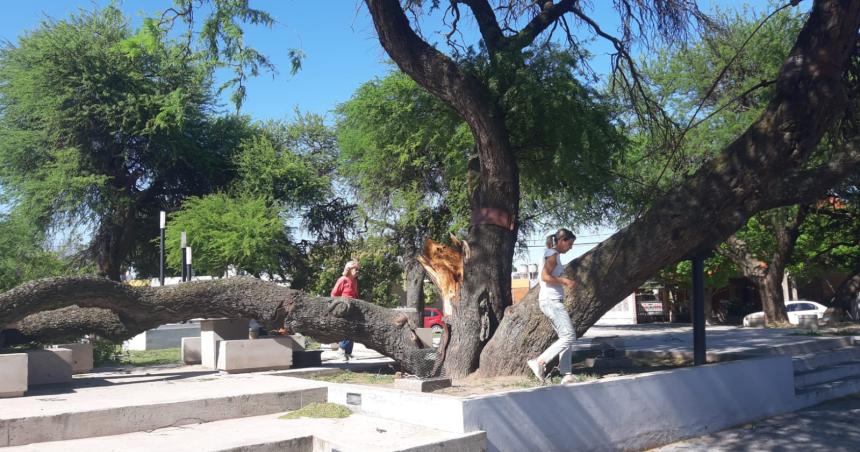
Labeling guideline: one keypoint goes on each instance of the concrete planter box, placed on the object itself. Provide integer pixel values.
(82, 356)
(250, 355)
(627, 413)
(191, 350)
(51, 366)
(13, 374)
(214, 330)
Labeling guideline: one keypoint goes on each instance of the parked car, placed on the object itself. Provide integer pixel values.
(794, 308)
(433, 319)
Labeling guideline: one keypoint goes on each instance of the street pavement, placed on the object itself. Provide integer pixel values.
(832, 426)
(674, 337)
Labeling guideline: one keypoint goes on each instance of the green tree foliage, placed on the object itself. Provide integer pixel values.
(22, 253)
(245, 232)
(406, 151)
(830, 238)
(714, 88)
(103, 126)
(380, 279)
(283, 176)
(222, 39)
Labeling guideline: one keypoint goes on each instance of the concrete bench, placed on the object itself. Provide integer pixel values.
(191, 350)
(82, 356)
(214, 330)
(50, 366)
(248, 355)
(13, 374)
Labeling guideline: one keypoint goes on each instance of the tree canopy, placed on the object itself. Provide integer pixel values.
(104, 126)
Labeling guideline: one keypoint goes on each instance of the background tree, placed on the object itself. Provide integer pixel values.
(102, 127)
(24, 255)
(829, 243)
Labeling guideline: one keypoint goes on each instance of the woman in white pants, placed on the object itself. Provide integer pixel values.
(551, 302)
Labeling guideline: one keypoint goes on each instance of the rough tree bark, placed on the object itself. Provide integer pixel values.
(765, 167)
(131, 310)
(495, 194)
(846, 298)
(767, 275)
(414, 286)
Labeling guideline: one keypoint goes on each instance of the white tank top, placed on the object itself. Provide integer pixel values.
(551, 291)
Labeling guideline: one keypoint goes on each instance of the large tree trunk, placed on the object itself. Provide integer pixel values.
(767, 276)
(762, 169)
(772, 299)
(137, 309)
(414, 288)
(494, 198)
(846, 298)
(113, 241)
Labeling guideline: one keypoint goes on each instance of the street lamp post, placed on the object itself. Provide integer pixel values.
(188, 272)
(161, 223)
(182, 245)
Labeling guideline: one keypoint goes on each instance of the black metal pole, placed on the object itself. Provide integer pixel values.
(188, 273)
(698, 310)
(161, 224)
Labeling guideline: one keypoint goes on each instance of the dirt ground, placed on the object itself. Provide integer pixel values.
(476, 385)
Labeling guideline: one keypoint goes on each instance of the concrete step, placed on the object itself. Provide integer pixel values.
(810, 346)
(269, 433)
(116, 404)
(826, 374)
(804, 363)
(822, 392)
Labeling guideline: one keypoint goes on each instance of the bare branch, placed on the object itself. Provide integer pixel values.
(548, 15)
(487, 23)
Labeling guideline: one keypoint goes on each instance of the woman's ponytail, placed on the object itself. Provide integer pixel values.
(562, 234)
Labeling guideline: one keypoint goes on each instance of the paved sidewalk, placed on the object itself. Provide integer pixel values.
(674, 337)
(833, 426)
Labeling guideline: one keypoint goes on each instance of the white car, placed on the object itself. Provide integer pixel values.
(794, 308)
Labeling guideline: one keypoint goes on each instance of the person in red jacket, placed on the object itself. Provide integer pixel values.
(347, 286)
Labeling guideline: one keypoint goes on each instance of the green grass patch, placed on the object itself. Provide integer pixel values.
(311, 343)
(152, 357)
(139, 358)
(360, 378)
(319, 410)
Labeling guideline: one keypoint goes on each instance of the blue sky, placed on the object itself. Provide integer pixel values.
(341, 50)
(337, 37)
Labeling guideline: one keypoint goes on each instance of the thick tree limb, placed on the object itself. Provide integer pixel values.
(137, 309)
(549, 14)
(487, 23)
(714, 202)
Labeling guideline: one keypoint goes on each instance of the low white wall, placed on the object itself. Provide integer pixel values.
(82, 356)
(50, 366)
(13, 375)
(247, 355)
(434, 411)
(190, 350)
(633, 412)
